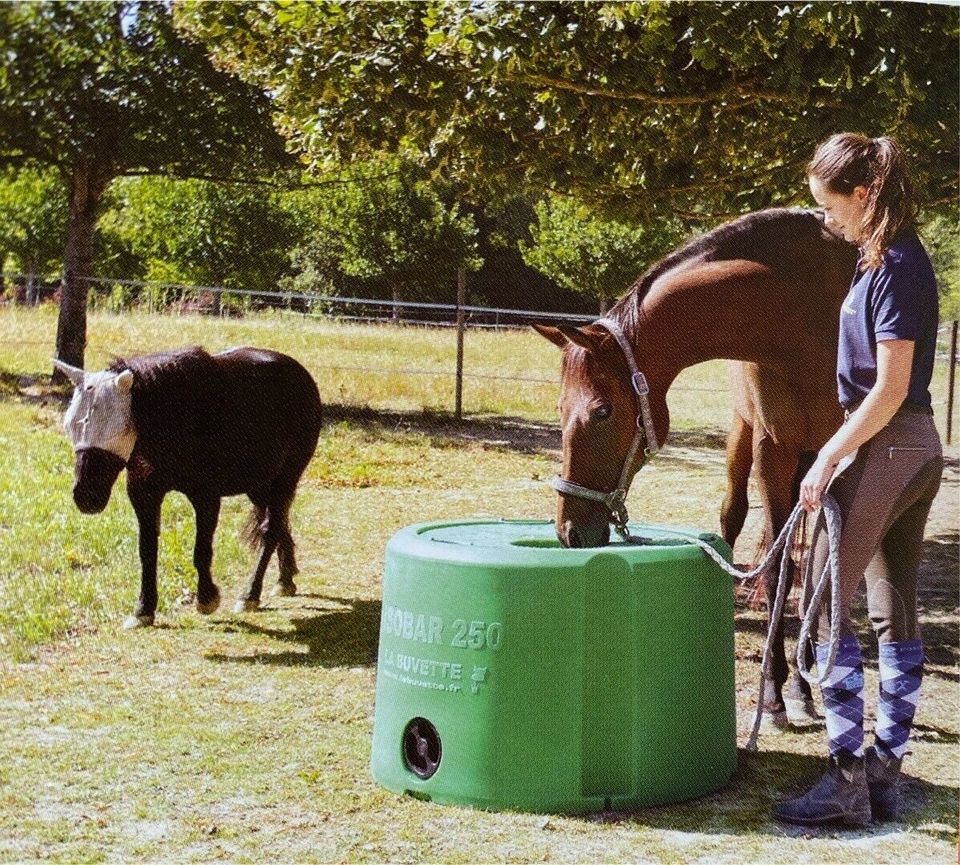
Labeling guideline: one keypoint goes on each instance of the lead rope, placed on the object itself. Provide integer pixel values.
(831, 569)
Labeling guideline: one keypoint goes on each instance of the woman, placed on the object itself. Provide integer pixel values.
(883, 467)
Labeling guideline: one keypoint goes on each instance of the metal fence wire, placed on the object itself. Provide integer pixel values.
(127, 295)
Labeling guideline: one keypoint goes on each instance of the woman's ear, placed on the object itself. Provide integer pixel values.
(861, 193)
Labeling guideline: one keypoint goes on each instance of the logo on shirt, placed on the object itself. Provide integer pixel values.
(848, 306)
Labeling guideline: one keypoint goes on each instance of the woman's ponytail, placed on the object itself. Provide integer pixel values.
(848, 160)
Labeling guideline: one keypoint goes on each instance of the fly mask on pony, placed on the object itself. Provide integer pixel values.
(99, 425)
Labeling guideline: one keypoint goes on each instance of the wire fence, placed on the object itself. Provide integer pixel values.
(128, 295)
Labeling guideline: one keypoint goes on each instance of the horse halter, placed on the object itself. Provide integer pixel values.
(646, 435)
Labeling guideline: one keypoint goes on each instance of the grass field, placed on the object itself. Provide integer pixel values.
(247, 738)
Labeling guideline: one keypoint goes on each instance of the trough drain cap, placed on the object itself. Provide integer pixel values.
(421, 748)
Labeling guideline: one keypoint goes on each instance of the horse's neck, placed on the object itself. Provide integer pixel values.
(734, 310)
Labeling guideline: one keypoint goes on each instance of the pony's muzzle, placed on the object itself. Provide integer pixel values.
(95, 472)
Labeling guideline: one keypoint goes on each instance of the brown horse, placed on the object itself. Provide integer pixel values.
(764, 290)
(243, 422)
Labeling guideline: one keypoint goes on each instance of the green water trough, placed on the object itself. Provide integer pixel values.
(514, 674)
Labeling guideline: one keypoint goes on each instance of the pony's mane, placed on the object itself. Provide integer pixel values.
(165, 368)
(173, 391)
(755, 237)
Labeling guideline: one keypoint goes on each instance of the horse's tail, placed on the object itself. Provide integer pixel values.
(252, 531)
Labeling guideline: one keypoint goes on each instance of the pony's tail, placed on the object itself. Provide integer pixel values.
(252, 531)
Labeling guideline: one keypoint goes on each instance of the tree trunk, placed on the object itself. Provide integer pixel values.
(32, 294)
(87, 183)
(604, 305)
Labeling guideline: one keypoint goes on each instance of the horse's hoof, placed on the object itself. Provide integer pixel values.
(245, 605)
(208, 607)
(285, 590)
(132, 622)
(774, 722)
(801, 711)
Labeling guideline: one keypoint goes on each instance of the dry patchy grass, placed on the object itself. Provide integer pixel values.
(247, 738)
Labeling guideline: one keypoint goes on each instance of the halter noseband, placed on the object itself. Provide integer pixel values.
(616, 501)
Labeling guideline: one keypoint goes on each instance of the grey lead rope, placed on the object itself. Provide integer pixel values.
(831, 512)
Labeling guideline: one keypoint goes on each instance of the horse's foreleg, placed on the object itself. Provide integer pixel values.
(208, 512)
(775, 468)
(147, 509)
(733, 511)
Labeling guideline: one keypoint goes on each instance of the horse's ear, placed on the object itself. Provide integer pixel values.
(125, 381)
(551, 333)
(71, 372)
(587, 340)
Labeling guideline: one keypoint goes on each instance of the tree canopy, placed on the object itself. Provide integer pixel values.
(703, 109)
(33, 220)
(597, 257)
(103, 89)
(386, 222)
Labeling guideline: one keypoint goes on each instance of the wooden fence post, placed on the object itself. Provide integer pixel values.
(951, 376)
(461, 319)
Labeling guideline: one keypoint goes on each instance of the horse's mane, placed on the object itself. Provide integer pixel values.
(171, 389)
(763, 237)
(165, 368)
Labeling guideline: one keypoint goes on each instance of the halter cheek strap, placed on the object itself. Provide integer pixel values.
(645, 436)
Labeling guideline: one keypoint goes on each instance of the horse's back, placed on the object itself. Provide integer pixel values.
(239, 421)
(276, 378)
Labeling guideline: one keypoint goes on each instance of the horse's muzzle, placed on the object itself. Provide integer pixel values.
(95, 473)
(595, 533)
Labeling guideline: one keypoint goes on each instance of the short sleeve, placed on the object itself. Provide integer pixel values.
(897, 305)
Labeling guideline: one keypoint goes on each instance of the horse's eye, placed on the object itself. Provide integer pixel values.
(602, 412)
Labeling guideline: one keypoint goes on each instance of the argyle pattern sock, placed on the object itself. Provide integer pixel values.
(843, 698)
(901, 670)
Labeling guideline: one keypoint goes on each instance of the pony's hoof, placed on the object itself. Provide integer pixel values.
(774, 722)
(285, 590)
(246, 606)
(207, 607)
(133, 622)
(801, 711)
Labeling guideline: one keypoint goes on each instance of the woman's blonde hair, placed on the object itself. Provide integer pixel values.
(848, 160)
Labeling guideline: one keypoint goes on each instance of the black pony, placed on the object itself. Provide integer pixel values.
(243, 422)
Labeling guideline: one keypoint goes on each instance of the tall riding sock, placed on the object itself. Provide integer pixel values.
(901, 670)
(843, 697)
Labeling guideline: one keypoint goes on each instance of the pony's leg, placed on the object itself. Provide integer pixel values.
(146, 506)
(208, 512)
(288, 562)
(267, 540)
(733, 511)
(776, 466)
(284, 490)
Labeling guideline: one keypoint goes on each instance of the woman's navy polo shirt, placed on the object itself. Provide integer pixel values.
(897, 300)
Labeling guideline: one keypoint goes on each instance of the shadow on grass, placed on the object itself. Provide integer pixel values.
(324, 632)
(745, 805)
(512, 433)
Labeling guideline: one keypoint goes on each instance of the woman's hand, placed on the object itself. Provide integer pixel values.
(816, 481)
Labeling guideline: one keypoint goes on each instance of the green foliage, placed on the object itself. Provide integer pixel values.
(385, 221)
(683, 107)
(941, 235)
(204, 233)
(113, 84)
(102, 89)
(33, 220)
(585, 253)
